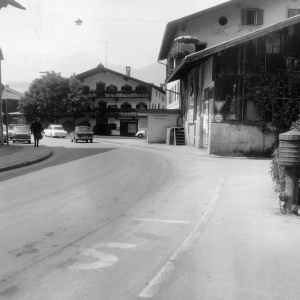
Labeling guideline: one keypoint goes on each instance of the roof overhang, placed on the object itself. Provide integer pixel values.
(191, 60)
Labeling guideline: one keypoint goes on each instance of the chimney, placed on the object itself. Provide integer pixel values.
(128, 71)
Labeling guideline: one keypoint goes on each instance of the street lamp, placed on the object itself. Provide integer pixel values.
(78, 22)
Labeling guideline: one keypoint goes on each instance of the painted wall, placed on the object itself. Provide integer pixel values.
(158, 100)
(172, 98)
(157, 126)
(208, 30)
(226, 138)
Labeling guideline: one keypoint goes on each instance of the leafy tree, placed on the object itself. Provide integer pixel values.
(78, 100)
(278, 92)
(46, 96)
(53, 96)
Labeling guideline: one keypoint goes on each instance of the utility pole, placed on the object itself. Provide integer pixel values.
(106, 49)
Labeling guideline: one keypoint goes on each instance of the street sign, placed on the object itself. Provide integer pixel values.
(219, 104)
(218, 118)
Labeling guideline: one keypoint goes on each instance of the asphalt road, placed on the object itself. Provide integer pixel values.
(99, 221)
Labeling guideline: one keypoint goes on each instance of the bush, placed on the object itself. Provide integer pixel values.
(277, 172)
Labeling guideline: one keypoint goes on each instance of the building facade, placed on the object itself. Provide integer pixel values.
(211, 53)
(115, 100)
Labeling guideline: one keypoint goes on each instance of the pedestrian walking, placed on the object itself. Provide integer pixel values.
(36, 130)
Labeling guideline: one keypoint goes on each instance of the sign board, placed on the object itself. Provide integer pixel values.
(218, 118)
(219, 104)
(160, 117)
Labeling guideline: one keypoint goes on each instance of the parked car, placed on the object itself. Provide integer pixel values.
(141, 133)
(83, 133)
(10, 130)
(21, 133)
(55, 130)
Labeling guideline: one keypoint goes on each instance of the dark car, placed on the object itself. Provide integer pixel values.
(83, 133)
(21, 133)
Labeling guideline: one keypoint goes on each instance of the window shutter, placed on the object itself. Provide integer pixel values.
(244, 16)
(260, 17)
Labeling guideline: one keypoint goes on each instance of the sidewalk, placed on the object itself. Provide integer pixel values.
(14, 156)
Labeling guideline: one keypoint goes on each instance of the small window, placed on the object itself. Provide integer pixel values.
(293, 12)
(252, 16)
(273, 43)
(112, 126)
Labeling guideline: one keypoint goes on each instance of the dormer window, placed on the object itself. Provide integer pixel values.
(252, 16)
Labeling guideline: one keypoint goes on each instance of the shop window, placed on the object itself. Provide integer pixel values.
(273, 43)
(252, 16)
(293, 12)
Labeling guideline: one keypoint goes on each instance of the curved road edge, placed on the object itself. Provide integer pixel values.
(26, 163)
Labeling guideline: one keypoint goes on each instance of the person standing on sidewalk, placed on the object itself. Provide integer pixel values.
(36, 130)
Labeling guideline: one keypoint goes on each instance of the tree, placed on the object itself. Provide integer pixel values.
(78, 101)
(46, 97)
(53, 96)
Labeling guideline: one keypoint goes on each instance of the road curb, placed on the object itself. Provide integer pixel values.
(26, 163)
(181, 152)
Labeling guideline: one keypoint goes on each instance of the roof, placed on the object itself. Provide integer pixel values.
(171, 27)
(100, 69)
(189, 60)
(11, 96)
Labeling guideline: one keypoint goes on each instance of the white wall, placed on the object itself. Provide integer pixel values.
(157, 126)
(208, 30)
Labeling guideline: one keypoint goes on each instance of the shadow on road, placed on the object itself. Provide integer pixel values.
(60, 155)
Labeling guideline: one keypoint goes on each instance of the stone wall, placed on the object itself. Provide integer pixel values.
(226, 138)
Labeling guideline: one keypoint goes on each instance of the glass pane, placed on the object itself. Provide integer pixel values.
(251, 17)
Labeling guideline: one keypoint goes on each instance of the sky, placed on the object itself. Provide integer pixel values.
(44, 37)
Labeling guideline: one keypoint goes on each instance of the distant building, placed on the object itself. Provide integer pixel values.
(116, 98)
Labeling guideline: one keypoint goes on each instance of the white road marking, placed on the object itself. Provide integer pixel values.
(154, 285)
(114, 245)
(104, 260)
(163, 221)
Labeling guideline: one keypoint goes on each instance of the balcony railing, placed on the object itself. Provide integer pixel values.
(122, 94)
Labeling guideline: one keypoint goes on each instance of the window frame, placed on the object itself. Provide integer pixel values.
(258, 17)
